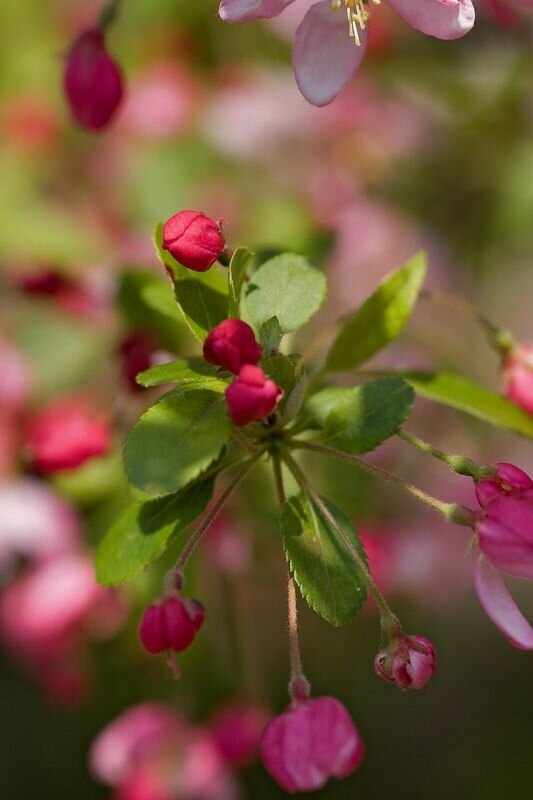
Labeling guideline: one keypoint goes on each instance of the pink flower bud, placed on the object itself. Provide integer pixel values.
(65, 434)
(310, 743)
(251, 396)
(193, 239)
(504, 525)
(92, 81)
(231, 345)
(137, 352)
(409, 662)
(171, 624)
(517, 376)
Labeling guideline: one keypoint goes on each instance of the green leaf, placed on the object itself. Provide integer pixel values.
(140, 311)
(295, 400)
(270, 336)
(202, 307)
(323, 567)
(160, 297)
(466, 395)
(183, 371)
(282, 371)
(358, 420)
(286, 287)
(176, 440)
(239, 263)
(145, 530)
(380, 319)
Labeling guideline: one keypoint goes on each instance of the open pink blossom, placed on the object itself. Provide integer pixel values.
(330, 42)
(504, 528)
(310, 743)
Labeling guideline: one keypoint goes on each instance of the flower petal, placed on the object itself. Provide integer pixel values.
(324, 55)
(500, 606)
(242, 10)
(444, 19)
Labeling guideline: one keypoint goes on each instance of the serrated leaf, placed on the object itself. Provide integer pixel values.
(295, 400)
(286, 287)
(472, 398)
(144, 531)
(282, 371)
(360, 419)
(323, 567)
(184, 370)
(380, 319)
(238, 265)
(176, 440)
(270, 336)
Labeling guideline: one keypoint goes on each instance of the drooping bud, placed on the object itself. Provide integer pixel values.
(194, 240)
(92, 81)
(311, 743)
(170, 624)
(231, 345)
(65, 434)
(251, 396)
(517, 373)
(409, 662)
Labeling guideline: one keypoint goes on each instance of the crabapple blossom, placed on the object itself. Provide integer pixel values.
(193, 239)
(231, 345)
(311, 742)
(324, 55)
(409, 662)
(251, 396)
(92, 81)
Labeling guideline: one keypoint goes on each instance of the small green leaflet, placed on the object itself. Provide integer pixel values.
(144, 531)
(323, 567)
(286, 287)
(239, 263)
(380, 319)
(176, 440)
(358, 420)
(192, 370)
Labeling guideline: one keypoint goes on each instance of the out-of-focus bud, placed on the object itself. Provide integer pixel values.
(504, 526)
(92, 81)
(137, 352)
(231, 345)
(310, 743)
(171, 624)
(517, 373)
(236, 730)
(409, 662)
(15, 386)
(193, 239)
(65, 434)
(251, 396)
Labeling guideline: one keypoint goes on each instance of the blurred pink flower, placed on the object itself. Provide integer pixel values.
(504, 528)
(16, 382)
(324, 55)
(228, 545)
(517, 374)
(236, 730)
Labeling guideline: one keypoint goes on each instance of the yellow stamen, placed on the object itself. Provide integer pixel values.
(357, 13)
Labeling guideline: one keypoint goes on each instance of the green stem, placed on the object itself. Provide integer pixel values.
(453, 512)
(109, 13)
(174, 578)
(299, 686)
(459, 464)
(390, 621)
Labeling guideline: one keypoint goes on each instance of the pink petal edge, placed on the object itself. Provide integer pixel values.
(500, 606)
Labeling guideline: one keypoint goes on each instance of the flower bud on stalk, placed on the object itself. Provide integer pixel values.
(194, 240)
(311, 742)
(408, 661)
(171, 625)
(252, 396)
(92, 81)
(231, 345)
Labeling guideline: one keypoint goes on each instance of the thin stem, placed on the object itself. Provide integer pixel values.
(299, 685)
(175, 576)
(453, 512)
(498, 338)
(459, 464)
(390, 621)
(109, 13)
(243, 441)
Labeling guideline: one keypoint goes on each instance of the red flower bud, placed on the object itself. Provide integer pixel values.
(92, 81)
(171, 624)
(231, 345)
(193, 239)
(65, 434)
(409, 662)
(311, 743)
(518, 376)
(251, 395)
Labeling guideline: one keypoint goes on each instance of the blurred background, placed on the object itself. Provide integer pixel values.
(430, 146)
